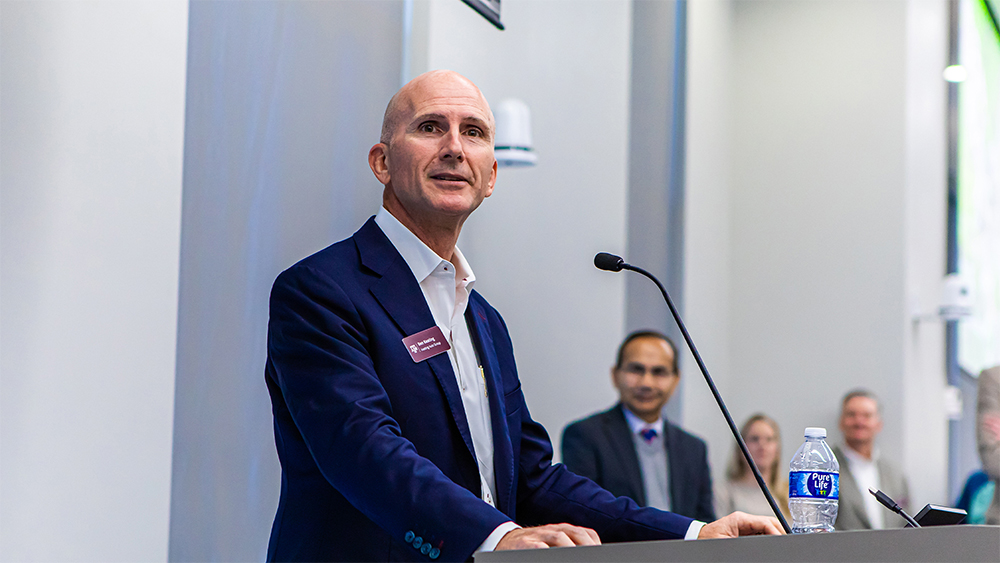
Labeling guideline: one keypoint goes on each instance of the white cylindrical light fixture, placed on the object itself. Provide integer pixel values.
(513, 146)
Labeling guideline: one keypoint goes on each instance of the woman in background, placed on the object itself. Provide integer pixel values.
(740, 491)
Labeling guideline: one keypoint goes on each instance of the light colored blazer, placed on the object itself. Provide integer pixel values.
(851, 513)
(988, 402)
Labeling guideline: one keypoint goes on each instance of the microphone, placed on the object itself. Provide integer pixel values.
(612, 263)
(609, 262)
(891, 505)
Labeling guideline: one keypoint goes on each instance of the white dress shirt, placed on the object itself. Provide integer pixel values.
(865, 473)
(446, 287)
(637, 424)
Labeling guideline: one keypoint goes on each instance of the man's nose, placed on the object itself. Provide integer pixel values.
(452, 146)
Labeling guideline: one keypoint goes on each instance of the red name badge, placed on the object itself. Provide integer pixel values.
(426, 344)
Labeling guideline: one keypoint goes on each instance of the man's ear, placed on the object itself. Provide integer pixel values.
(493, 179)
(378, 160)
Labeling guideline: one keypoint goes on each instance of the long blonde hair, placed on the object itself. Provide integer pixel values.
(738, 467)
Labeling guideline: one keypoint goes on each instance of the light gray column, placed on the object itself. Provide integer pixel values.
(656, 171)
(283, 101)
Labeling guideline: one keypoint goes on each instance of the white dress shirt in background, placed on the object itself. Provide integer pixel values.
(865, 473)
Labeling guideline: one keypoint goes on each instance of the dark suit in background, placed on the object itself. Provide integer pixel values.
(600, 448)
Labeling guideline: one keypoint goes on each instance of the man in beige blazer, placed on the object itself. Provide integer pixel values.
(988, 434)
(862, 467)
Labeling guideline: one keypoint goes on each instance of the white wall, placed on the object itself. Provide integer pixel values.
(827, 211)
(532, 244)
(92, 116)
(924, 419)
(707, 239)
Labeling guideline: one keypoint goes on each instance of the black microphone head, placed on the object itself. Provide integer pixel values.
(609, 262)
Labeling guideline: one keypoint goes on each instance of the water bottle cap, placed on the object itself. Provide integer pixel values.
(815, 432)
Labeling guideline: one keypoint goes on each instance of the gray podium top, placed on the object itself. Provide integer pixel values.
(940, 543)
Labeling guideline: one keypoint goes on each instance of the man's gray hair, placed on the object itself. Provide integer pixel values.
(861, 392)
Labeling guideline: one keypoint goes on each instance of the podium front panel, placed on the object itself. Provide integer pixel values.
(956, 544)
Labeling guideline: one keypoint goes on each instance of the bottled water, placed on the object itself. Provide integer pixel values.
(813, 485)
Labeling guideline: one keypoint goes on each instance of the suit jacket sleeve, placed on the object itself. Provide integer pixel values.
(318, 356)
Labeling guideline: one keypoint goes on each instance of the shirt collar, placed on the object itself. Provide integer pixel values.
(418, 256)
(856, 458)
(637, 424)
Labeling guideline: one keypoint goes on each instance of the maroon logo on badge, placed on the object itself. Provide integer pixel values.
(426, 344)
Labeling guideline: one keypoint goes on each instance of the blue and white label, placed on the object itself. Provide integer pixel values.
(814, 484)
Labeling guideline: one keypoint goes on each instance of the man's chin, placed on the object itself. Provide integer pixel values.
(644, 411)
(455, 205)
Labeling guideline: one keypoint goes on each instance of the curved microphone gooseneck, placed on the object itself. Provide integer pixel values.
(612, 263)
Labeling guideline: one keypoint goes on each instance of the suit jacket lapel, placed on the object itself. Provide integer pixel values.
(503, 455)
(399, 294)
(892, 484)
(675, 472)
(620, 437)
(857, 504)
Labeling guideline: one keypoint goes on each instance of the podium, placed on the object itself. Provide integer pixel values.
(939, 543)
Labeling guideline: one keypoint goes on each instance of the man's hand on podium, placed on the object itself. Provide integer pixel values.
(566, 535)
(552, 535)
(741, 524)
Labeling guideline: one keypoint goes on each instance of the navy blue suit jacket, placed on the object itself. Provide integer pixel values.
(376, 455)
(600, 447)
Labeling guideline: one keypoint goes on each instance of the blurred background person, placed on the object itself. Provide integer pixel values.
(631, 449)
(739, 490)
(988, 434)
(863, 468)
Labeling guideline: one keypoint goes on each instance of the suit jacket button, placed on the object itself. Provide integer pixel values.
(434, 553)
(409, 536)
(417, 542)
(425, 549)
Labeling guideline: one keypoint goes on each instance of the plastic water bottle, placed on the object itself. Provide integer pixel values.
(813, 485)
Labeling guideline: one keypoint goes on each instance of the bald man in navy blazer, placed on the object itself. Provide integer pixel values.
(398, 414)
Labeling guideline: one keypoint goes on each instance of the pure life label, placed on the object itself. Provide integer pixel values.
(813, 484)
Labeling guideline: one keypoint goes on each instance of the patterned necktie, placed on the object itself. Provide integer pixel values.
(648, 434)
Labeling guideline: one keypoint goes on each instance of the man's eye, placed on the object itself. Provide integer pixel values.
(427, 127)
(474, 132)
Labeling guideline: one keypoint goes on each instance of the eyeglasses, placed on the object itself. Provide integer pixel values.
(640, 370)
(760, 440)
